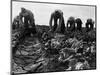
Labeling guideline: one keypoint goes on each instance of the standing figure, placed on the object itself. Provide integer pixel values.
(57, 15)
(79, 24)
(71, 24)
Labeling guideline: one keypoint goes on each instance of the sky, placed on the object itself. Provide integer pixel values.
(42, 11)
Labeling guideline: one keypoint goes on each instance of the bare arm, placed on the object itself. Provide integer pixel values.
(60, 20)
(20, 17)
(50, 22)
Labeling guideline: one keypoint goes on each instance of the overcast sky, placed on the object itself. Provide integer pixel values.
(42, 11)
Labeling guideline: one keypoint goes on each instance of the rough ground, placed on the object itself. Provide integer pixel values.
(60, 52)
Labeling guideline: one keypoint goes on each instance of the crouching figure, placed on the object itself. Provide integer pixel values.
(59, 28)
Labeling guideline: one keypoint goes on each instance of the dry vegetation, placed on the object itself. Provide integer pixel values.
(50, 52)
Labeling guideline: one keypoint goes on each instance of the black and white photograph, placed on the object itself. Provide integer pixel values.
(52, 37)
